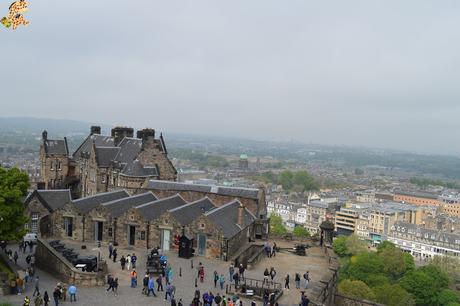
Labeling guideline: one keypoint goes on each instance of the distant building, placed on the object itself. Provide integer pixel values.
(346, 219)
(243, 162)
(365, 196)
(450, 205)
(423, 243)
(316, 213)
(416, 198)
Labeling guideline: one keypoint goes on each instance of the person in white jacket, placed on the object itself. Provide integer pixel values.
(128, 261)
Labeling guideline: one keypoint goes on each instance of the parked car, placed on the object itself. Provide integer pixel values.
(30, 237)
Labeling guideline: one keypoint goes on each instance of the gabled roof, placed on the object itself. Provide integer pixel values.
(51, 199)
(98, 140)
(118, 207)
(129, 149)
(135, 168)
(84, 205)
(56, 146)
(185, 214)
(105, 155)
(252, 193)
(152, 210)
(226, 218)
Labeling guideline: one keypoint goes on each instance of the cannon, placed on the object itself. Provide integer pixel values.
(156, 263)
(86, 263)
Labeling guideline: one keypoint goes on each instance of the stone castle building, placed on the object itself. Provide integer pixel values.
(104, 163)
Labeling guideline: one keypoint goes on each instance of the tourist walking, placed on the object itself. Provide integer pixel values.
(123, 262)
(114, 255)
(241, 269)
(221, 281)
(46, 298)
(231, 270)
(216, 279)
(115, 285)
(304, 301)
(151, 287)
(160, 283)
(110, 281)
(145, 284)
(20, 285)
(73, 293)
(274, 249)
(110, 250)
(272, 273)
(286, 282)
(133, 260)
(128, 262)
(56, 294)
(266, 275)
(26, 301)
(297, 281)
(15, 257)
(169, 291)
(133, 279)
(306, 277)
(236, 279)
(36, 286)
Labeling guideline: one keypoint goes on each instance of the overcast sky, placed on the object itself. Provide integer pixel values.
(370, 73)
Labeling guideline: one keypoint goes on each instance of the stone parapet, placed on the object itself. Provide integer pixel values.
(53, 262)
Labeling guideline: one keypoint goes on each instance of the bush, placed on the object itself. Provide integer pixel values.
(393, 295)
(339, 245)
(301, 232)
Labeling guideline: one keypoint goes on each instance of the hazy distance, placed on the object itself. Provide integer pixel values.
(369, 73)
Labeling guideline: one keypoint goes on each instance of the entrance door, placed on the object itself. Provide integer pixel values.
(99, 227)
(68, 226)
(201, 244)
(131, 234)
(165, 239)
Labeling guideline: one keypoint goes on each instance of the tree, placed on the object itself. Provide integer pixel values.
(304, 181)
(448, 264)
(356, 289)
(339, 245)
(285, 179)
(426, 284)
(447, 296)
(355, 245)
(359, 171)
(276, 225)
(13, 187)
(393, 295)
(365, 265)
(301, 232)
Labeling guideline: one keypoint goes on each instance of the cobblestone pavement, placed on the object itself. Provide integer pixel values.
(284, 263)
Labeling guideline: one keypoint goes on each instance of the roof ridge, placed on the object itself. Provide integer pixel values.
(130, 197)
(192, 203)
(102, 193)
(221, 207)
(158, 200)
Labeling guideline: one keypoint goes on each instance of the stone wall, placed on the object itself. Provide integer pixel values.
(51, 261)
(341, 300)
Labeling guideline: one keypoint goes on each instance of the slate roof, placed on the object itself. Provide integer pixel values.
(153, 210)
(51, 199)
(105, 155)
(427, 234)
(129, 149)
(135, 168)
(418, 194)
(187, 213)
(252, 193)
(118, 207)
(56, 146)
(98, 140)
(226, 218)
(84, 205)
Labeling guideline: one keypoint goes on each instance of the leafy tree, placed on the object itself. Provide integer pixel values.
(339, 245)
(304, 181)
(355, 245)
(356, 289)
(285, 179)
(276, 225)
(449, 265)
(447, 296)
(425, 284)
(376, 280)
(13, 187)
(408, 262)
(365, 265)
(393, 295)
(301, 232)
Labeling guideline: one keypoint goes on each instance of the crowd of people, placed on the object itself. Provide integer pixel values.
(155, 285)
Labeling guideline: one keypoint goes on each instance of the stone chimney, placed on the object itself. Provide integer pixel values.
(147, 136)
(44, 135)
(240, 220)
(120, 132)
(95, 130)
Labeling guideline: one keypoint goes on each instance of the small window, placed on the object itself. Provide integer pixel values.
(52, 166)
(131, 217)
(59, 166)
(110, 232)
(142, 235)
(202, 225)
(103, 178)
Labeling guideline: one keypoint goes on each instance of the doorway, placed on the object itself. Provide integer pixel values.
(99, 228)
(165, 239)
(68, 226)
(201, 244)
(131, 234)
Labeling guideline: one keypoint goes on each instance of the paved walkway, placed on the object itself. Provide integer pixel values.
(284, 263)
